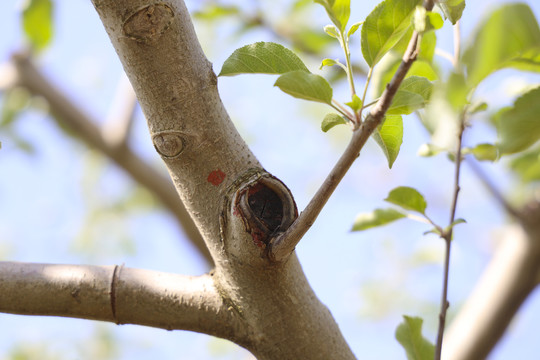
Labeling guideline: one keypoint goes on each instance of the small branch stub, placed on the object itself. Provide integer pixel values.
(149, 22)
(168, 144)
(264, 207)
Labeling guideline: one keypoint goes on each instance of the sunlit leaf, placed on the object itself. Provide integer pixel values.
(509, 37)
(477, 107)
(428, 150)
(331, 120)
(408, 198)
(519, 126)
(356, 103)
(485, 152)
(389, 136)
(37, 21)
(452, 9)
(424, 21)
(384, 27)
(331, 62)
(216, 11)
(378, 217)
(262, 58)
(354, 28)
(304, 85)
(338, 11)
(332, 31)
(412, 95)
(409, 335)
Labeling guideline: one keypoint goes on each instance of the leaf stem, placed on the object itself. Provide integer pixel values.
(336, 105)
(345, 45)
(368, 80)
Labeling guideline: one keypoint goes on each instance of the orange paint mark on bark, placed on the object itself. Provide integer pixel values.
(216, 177)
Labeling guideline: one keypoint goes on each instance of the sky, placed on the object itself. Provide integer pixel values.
(60, 204)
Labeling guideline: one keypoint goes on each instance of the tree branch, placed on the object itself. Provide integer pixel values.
(70, 116)
(285, 243)
(117, 294)
(511, 276)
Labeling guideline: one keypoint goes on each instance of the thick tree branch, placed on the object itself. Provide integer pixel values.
(220, 181)
(70, 116)
(284, 244)
(117, 294)
(511, 276)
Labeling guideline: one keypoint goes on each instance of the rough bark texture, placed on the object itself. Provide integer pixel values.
(220, 182)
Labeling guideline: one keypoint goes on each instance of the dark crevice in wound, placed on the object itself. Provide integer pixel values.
(266, 205)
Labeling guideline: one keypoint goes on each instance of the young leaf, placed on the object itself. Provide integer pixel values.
(424, 20)
(389, 136)
(407, 198)
(354, 28)
(355, 104)
(485, 152)
(304, 85)
(409, 335)
(332, 62)
(412, 95)
(332, 31)
(501, 42)
(338, 11)
(378, 217)
(519, 126)
(428, 150)
(37, 22)
(331, 120)
(262, 58)
(384, 26)
(477, 107)
(452, 9)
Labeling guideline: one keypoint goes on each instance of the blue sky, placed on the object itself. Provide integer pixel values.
(367, 279)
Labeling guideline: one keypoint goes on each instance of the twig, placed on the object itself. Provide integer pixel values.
(67, 114)
(284, 244)
(447, 237)
(493, 189)
(116, 129)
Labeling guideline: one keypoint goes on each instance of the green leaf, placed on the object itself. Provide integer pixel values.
(407, 198)
(424, 21)
(378, 217)
(485, 152)
(262, 58)
(452, 9)
(412, 95)
(37, 21)
(519, 126)
(338, 11)
(428, 150)
(354, 28)
(331, 62)
(215, 11)
(477, 107)
(389, 136)
(527, 166)
(409, 335)
(331, 120)
(332, 31)
(307, 86)
(355, 104)
(509, 37)
(384, 27)
(454, 223)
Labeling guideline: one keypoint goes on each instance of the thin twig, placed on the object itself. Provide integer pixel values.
(492, 189)
(284, 244)
(447, 237)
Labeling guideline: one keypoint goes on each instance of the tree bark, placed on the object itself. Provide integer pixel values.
(221, 183)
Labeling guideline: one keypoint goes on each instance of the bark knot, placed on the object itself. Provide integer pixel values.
(148, 23)
(168, 144)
